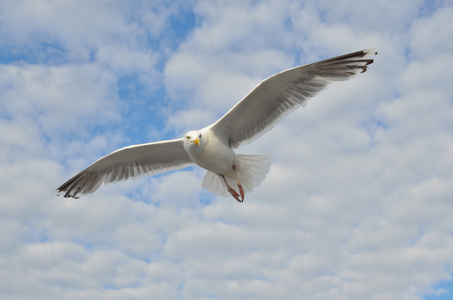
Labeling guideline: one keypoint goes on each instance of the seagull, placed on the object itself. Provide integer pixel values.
(212, 147)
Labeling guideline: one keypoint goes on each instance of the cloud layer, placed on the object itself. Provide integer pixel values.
(357, 204)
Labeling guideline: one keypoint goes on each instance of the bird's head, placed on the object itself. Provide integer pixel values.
(193, 141)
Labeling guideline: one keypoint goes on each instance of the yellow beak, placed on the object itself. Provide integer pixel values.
(196, 141)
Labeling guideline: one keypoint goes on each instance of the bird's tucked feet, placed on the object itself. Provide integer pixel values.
(235, 194)
(241, 190)
(233, 191)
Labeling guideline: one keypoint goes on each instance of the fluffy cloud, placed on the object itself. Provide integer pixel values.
(357, 204)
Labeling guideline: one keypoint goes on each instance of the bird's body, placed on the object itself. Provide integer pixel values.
(214, 154)
(212, 147)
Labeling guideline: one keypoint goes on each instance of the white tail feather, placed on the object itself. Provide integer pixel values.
(251, 172)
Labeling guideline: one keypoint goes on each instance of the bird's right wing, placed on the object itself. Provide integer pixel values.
(284, 92)
(128, 162)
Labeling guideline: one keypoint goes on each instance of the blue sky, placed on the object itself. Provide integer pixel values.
(357, 204)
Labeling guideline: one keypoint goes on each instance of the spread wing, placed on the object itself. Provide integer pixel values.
(284, 92)
(128, 162)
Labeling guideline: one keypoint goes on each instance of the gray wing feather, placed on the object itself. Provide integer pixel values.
(128, 162)
(284, 92)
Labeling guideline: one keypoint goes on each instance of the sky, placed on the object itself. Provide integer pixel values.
(358, 201)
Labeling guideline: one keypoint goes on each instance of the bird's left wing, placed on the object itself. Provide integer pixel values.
(284, 92)
(128, 162)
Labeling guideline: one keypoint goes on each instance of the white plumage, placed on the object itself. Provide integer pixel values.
(212, 147)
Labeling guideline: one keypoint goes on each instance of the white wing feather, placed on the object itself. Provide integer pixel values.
(128, 162)
(284, 92)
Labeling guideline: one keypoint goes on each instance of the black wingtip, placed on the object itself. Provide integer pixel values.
(70, 187)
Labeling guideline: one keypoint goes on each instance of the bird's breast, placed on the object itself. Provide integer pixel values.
(215, 157)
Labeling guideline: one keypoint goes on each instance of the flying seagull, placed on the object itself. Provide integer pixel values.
(212, 147)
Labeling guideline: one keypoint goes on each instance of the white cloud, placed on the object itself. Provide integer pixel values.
(59, 97)
(357, 202)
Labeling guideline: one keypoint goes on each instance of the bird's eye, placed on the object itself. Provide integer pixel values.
(187, 137)
(199, 136)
